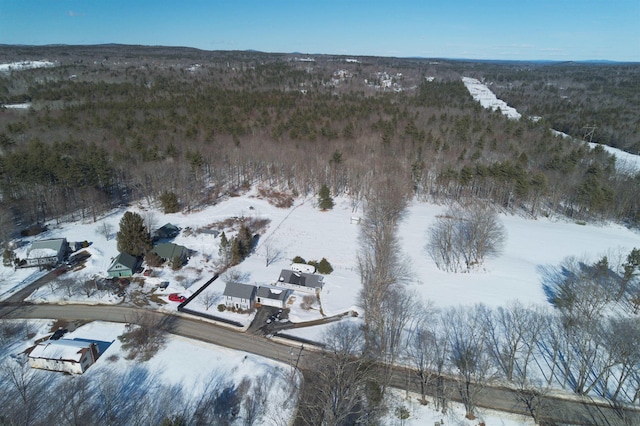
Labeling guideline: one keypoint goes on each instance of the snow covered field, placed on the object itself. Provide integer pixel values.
(308, 232)
(26, 65)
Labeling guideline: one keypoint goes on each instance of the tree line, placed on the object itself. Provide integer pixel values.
(145, 131)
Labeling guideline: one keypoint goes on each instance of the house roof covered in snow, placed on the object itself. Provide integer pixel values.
(63, 349)
(274, 293)
(46, 248)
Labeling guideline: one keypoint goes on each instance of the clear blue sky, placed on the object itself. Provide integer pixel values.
(489, 29)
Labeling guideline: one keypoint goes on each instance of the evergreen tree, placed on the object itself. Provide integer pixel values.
(133, 237)
(324, 267)
(169, 201)
(236, 252)
(245, 238)
(225, 249)
(325, 202)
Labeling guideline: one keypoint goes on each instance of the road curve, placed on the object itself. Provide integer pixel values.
(556, 410)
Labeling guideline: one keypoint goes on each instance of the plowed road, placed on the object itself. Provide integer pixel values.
(564, 411)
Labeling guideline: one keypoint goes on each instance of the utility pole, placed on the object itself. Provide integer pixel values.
(588, 132)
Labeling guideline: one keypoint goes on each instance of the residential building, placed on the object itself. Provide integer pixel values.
(300, 281)
(239, 296)
(123, 265)
(68, 356)
(47, 252)
(272, 296)
(168, 251)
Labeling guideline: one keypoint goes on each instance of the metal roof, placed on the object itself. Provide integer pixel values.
(242, 291)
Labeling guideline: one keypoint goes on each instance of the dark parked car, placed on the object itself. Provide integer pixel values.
(58, 334)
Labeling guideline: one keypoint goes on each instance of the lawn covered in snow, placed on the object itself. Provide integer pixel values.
(304, 230)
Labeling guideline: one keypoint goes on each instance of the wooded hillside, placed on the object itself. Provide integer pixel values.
(111, 124)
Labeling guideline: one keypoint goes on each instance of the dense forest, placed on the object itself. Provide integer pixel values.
(111, 124)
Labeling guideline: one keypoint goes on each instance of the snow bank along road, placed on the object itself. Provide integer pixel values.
(568, 411)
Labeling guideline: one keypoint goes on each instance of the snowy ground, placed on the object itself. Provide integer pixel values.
(26, 65)
(182, 362)
(417, 414)
(303, 230)
(625, 162)
(488, 99)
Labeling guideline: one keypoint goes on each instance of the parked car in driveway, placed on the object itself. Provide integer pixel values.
(147, 272)
(175, 297)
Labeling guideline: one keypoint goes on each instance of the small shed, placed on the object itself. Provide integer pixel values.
(167, 230)
(123, 265)
(272, 296)
(68, 356)
(47, 252)
(239, 296)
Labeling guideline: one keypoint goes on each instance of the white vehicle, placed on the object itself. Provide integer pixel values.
(303, 267)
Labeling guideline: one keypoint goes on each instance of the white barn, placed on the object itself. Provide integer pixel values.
(68, 356)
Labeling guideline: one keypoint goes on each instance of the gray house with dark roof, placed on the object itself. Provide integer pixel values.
(272, 296)
(123, 265)
(47, 252)
(239, 296)
(300, 281)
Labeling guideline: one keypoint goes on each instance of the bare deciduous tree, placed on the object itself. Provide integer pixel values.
(468, 357)
(145, 334)
(579, 289)
(334, 393)
(68, 286)
(427, 350)
(21, 404)
(511, 331)
(150, 221)
(208, 298)
(465, 237)
(272, 252)
(105, 229)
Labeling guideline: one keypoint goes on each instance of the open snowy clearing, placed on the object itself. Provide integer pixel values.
(308, 232)
(26, 65)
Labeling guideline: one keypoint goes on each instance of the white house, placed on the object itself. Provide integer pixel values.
(47, 252)
(68, 356)
(300, 281)
(272, 296)
(239, 296)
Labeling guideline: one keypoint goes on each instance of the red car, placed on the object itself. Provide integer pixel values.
(175, 297)
(147, 272)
